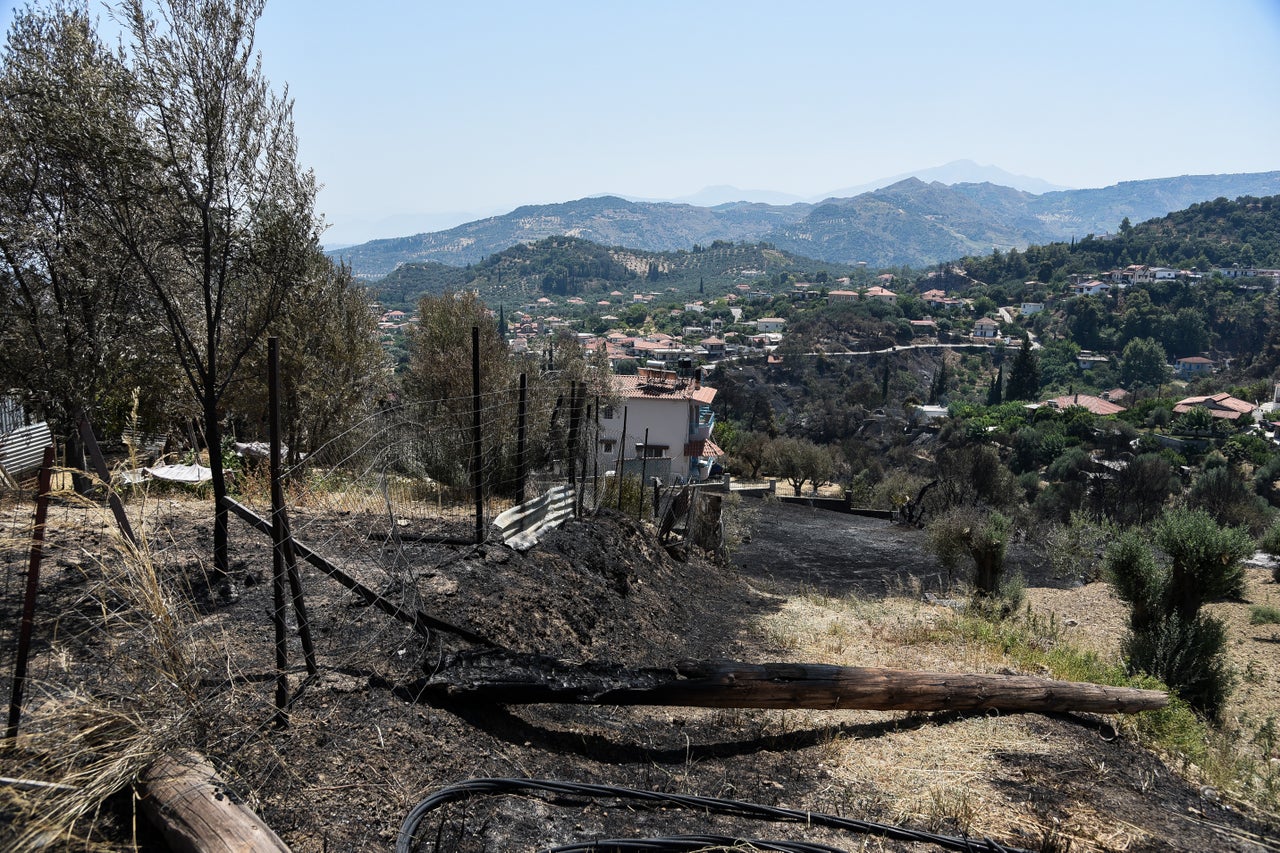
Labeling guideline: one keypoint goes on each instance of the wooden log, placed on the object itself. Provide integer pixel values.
(509, 679)
(198, 813)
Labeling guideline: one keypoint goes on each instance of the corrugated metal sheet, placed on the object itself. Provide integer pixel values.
(12, 416)
(22, 450)
(520, 526)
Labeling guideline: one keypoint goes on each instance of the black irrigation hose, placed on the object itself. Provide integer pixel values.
(483, 787)
(692, 842)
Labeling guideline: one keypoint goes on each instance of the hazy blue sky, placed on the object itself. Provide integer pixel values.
(421, 107)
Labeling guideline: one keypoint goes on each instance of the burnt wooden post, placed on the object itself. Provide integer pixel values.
(516, 679)
(27, 626)
(476, 463)
(281, 537)
(571, 448)
(622, 455)
(644, 473)
(522, 414)
(196, 810)
(706, 530)
(277, 552)
(595, 461)
(90, 442)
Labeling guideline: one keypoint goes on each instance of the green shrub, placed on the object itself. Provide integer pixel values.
(1264, 615)
(1168, 636)
(982, 537)
(1189, 656)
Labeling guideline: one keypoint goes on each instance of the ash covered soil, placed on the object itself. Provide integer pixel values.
(363, 746)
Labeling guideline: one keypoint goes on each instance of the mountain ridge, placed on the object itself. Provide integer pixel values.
(909, 223)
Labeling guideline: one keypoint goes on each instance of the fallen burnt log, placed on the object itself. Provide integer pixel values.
(513, 679)
(197, 812)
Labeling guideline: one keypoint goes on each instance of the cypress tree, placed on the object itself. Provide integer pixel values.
(995, 395)
(1024, 376)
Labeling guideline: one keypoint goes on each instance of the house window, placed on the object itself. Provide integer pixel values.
(651, 451)
(606, 446)
(607, 413)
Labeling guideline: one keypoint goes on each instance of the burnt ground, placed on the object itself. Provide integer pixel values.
(361, 747)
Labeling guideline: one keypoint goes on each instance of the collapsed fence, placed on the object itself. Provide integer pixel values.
(398, 488)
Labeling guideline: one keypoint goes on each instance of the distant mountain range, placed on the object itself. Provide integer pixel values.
(955, 172)
(911, 222)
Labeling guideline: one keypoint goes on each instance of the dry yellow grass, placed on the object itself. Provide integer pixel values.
(958, 777)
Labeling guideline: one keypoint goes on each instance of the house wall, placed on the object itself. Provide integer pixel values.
(667, 421)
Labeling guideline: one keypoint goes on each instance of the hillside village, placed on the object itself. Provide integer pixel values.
(1029, 438)
(935, 514)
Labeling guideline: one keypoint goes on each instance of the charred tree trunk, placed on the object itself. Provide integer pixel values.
(517, 679)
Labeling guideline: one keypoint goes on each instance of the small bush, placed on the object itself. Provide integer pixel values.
(1168, 635)
(1189, 656)
(1075, 549)
(1263, 615)
(983, 538)
(1269, 542)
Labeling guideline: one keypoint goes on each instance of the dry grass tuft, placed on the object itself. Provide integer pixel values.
(119, 686)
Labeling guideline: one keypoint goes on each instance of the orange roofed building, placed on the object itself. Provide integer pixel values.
(1220, 406)
(675, 411)
(1097, 405)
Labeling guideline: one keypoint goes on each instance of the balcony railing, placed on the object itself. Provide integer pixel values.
(700, 428)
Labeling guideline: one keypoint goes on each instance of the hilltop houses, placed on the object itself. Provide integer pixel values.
(939, 300)
(1190, 367)
(881, 293)
(1092, 287)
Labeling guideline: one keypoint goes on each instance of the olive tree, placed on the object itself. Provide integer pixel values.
(221, 225)
(800, 461)
(73, 326)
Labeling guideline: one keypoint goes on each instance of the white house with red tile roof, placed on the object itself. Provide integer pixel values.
(767, 325)
(1093, 287)
(985, 327)
(883, 294)
(841, 295)
(714, 346)
(1193, 365)
(676, 411)
(939, 299)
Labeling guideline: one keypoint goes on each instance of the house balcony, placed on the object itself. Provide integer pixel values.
(700, 428)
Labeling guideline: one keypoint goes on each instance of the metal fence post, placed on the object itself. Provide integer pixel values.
(644, 473)
(476, 463)
(282, 538)
(29, 599)
(622, 455)
(522, 414)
